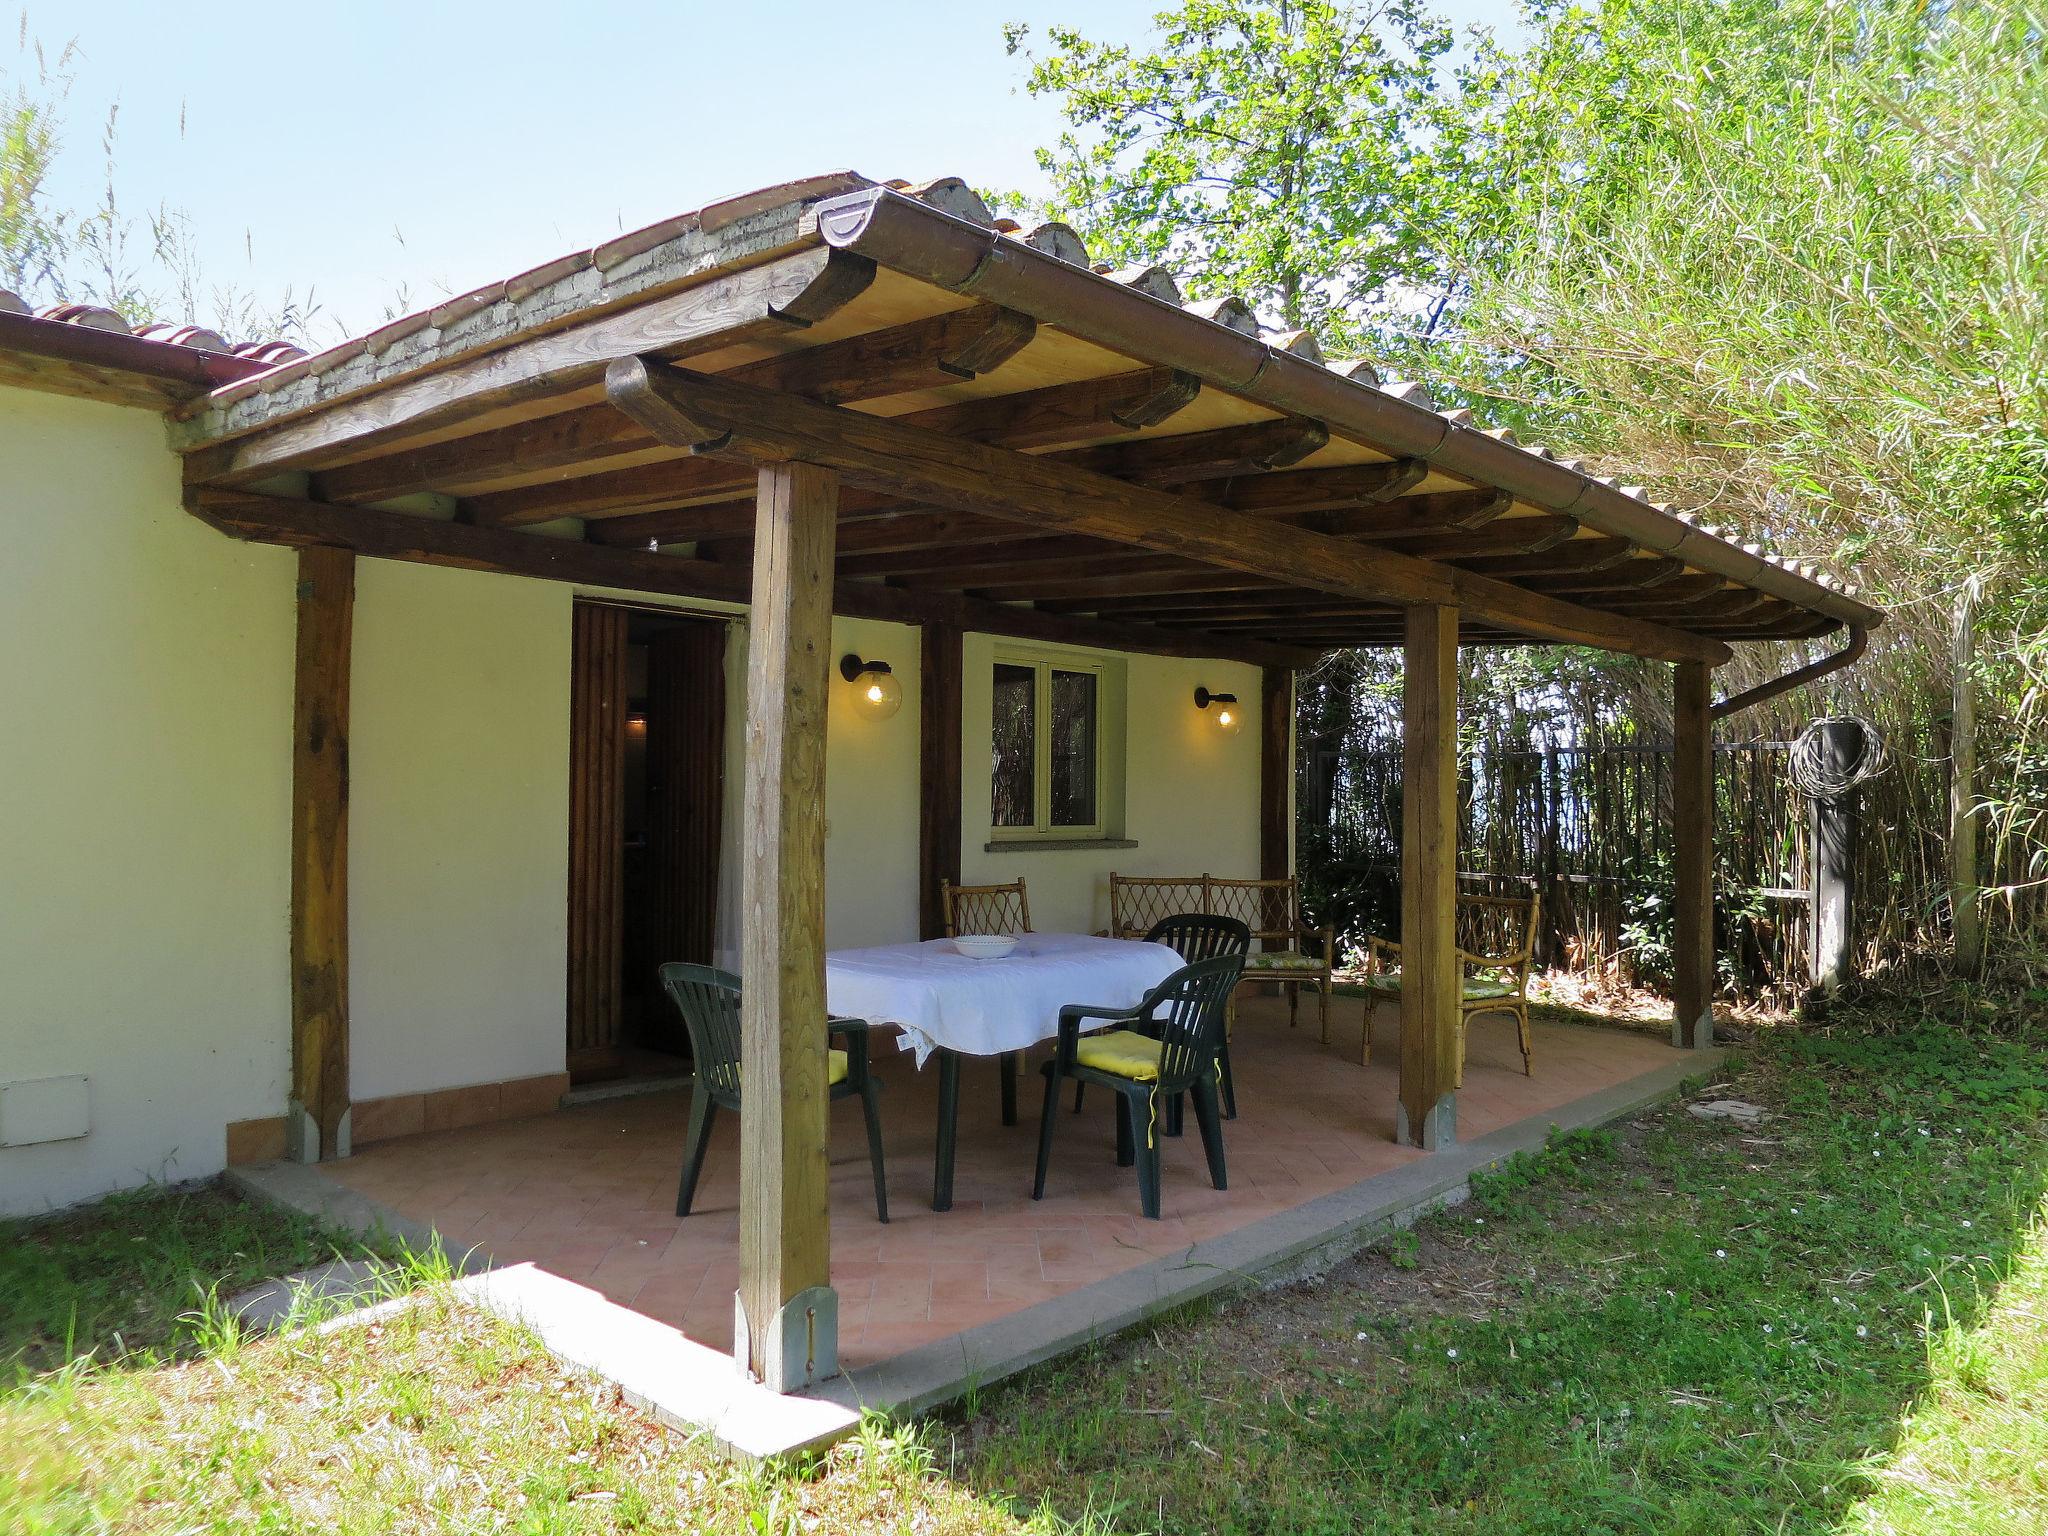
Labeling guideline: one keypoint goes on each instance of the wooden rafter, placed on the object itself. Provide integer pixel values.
(430, 541)
(1570, 558)
(941, 349)
(722, 419)
(1319, 490)
(1213, 455)
(1434, 512)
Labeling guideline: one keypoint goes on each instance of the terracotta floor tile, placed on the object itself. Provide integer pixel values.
(581, 1190)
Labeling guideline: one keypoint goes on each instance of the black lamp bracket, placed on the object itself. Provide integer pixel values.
(851, 666)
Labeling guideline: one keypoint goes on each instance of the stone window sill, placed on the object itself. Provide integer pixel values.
(1054, 844)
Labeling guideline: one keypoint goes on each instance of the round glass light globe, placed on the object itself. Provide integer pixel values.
(1228, 720)
(877, 694)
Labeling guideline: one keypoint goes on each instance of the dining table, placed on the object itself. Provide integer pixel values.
(947, 1005)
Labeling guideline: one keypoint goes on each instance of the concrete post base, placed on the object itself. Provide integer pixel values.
(1439, 1126)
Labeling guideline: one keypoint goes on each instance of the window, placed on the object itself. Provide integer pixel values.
(1046, 749)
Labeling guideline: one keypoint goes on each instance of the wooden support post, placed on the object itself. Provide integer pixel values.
(939, 738)
(1965, 894)
(1834, 826)
(1692, 801)
(1429, 879)
(1276, 775)
(786, 1322)
(317, 1119)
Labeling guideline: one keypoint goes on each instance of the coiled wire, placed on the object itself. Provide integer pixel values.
(1817, 779)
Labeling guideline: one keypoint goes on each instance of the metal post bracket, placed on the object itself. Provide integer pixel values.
(802, 1345)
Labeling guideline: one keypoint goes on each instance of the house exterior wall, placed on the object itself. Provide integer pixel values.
(458, 828)
(871, 796)
(145, 763)
(145, 766)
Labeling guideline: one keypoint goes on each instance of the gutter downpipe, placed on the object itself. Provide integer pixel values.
(1812, 672)
(962, 257)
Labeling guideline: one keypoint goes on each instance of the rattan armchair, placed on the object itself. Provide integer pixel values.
(1496, 940)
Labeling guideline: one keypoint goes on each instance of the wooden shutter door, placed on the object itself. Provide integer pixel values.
(685, 785)
(597, 756)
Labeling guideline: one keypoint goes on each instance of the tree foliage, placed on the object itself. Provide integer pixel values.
(1783, 262)
(1783, 256)
(1272, 149)
(1780, 261)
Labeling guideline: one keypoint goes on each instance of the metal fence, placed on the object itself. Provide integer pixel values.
(1589, 828)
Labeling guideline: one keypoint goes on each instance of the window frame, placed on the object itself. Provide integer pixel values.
(1043, 664)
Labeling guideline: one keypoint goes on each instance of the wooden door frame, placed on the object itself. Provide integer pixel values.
(595, 1022)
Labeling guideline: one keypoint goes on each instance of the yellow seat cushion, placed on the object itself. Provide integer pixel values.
(835, 1067)
(1121, 1053)
(1477, 988)
(1282, 960)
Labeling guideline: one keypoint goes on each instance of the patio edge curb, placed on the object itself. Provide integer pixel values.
(1278, 1248)
(685, 1385)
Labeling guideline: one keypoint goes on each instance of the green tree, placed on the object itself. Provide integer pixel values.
(1278, 150)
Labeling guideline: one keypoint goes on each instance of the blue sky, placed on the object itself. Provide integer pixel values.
(370, 147)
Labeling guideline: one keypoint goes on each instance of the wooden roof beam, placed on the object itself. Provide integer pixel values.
(1062, 415)
(750, 304)
(389, 535)
(1339, 488)
(1192, 448)
(1059, 414)
(1507, 536)
(1022, 552)
(1433, 512)
(1014, 563)
(1630, 575)
(1569, 558)
(731, 517)
(1147, 607)
(922, 354)
(719, 418)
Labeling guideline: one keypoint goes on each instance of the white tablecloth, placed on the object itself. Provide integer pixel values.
(940, 997)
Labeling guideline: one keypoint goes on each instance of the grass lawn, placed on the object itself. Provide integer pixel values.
(1833, 1321)
(1680, 1325)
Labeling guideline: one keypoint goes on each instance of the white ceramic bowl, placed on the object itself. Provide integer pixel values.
(985, 946)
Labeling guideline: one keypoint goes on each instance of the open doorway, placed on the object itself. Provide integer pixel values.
(646, 793)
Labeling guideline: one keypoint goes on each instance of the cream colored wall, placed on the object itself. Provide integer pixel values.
(458, 828)
(145, 754)
(458, 837)
(1191, 794)
(871, 796)
(145, 822)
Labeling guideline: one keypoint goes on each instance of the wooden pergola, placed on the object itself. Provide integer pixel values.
(842, 397)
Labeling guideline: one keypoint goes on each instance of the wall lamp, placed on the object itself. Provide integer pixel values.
(1228, 720)
(876, 693)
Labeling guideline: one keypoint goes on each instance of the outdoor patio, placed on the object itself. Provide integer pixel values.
(588, 1192)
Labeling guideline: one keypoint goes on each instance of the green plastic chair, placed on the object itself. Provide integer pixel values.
(1167, 1046)
(709, 1001)
(1198, 936)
